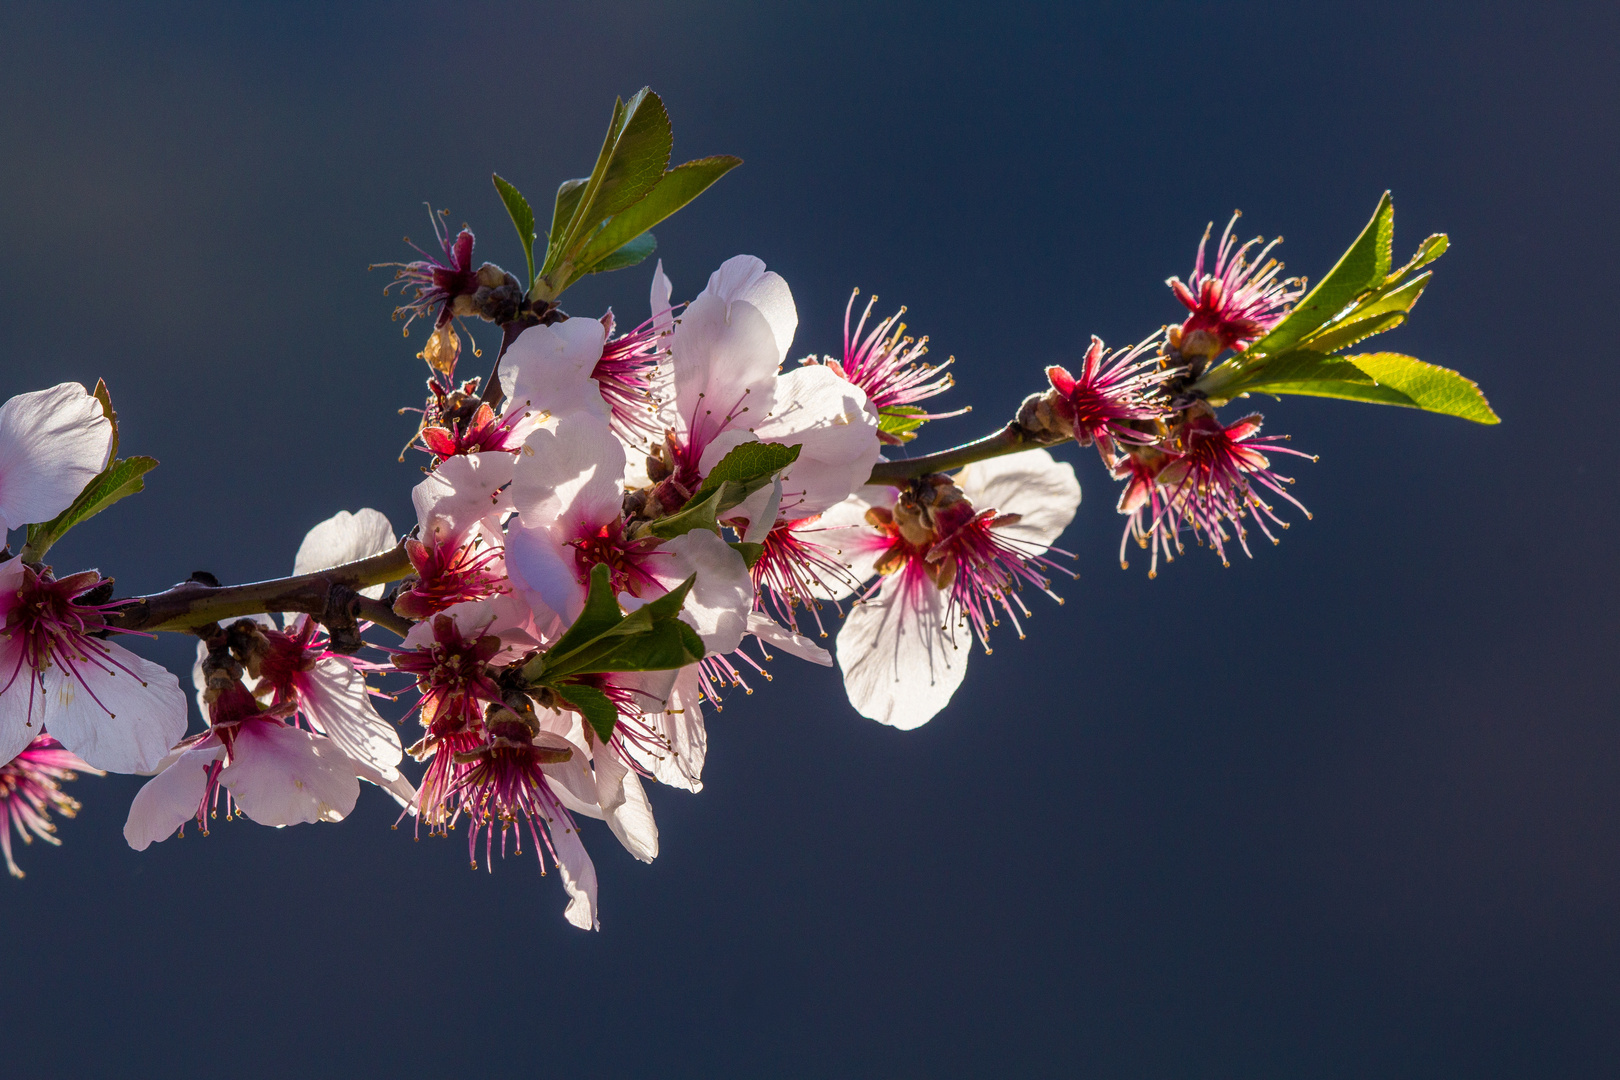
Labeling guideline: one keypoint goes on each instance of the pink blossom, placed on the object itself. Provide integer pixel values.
(30, 788)
(1235, 304)
(1113, 392)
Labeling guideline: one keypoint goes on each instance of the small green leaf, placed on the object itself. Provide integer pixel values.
(628, 255)
(1428, 251)
(604, 639)
(1342, 335)
(595, 706)
(694, 515)
(1379, 378)
(1359, 269)
(750, 552)
(120, 479)
(599, 616)
(901, 421)
(744, 470)
(522, 218)
(568, 196)
(667, 646)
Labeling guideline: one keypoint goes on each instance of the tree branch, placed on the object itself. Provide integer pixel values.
(192, 604)
(1009, 440)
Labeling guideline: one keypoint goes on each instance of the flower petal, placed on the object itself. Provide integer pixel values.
(744, 278)
(165, 802)
(624, 805)
(345, 538)
(570, 479)
(117, 720)
(52, 443)
(772, 633)
(578, 875)
(899, 666)
(334, 698)
(718, 605)
(461, 492)
(837, 434)
(1042, 491)
(282, 775)
(547, 370)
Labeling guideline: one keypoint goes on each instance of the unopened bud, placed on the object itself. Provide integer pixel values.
(1041, 418)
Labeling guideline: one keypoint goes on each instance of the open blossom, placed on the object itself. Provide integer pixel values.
(31, 788)
(1113, 392)
(255, 763)
(1237, 302)
(632, 374)
(952, 553)
(457, 553)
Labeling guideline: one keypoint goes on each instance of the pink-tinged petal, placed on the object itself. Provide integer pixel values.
(123, 718)
(166, 801)
(399, 788)
(837, 434)
(571, 478)
(334, 697)
(282, 775)
(681, 724)
(721, 598)
(899, 666)
(461, 492)
(725, 365)
(547, 371)
(17, 727)
(578, 876)
(52, 443)
(744, 278)
(624, 806)
(1043, 492)
(658, 299)
(544, 572)
(776, 636)
(345, 538)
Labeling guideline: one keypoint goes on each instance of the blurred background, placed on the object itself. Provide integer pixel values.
(1349, 809)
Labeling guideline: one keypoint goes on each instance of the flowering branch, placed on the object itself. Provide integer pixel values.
(1012, 439)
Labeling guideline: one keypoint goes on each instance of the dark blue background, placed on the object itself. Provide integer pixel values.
(1350, 809)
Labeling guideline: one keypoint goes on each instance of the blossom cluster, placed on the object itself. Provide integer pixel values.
(614, 531)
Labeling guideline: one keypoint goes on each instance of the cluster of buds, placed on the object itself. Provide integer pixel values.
(612, 531)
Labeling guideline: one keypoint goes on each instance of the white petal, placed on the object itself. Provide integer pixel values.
(718, 605)
(462, 492)
(658, 299)
(1031, 484)
(282, 775)
(725, 363)
(772, 633)
(681, 723)
(146, 706)
(547, 370)
(760, 511)
(333, 696)
(52, 443)
(899, 667)
(345, 538)
(165, 802)
(744, 278)
(399, 788)
(624, 805)
(837, 434)
(578, 875)
(570, 479)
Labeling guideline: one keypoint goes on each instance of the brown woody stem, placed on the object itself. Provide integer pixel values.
(1009, 440)
(191, 604)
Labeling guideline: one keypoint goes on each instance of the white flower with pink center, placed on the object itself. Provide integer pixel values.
(953, 553)
(115, 710)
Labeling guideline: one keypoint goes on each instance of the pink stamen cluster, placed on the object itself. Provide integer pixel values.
(31, 788)
(436, 283)
(448, 572)
(1238, 302)
(795, 571)
(1113, 391)
(628, 376)
(888, 366)
(502, 787)
(55, 627)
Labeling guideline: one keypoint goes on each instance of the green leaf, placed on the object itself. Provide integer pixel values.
(1431, 249)
(1345, 334)
(675, 189)
(750, 552)
(694, 515)
(595, 706)
(1380, 378)
(744, 470)
(604, 639)
(901, 421)
(568, 196)
(121, 478)
(633, 157)
(1359, 269)
(522, 217)
(628, 255)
